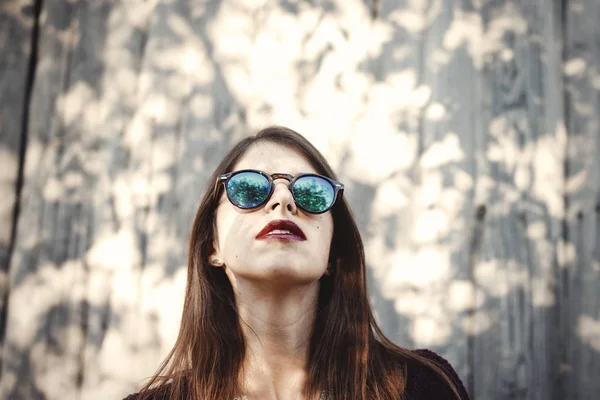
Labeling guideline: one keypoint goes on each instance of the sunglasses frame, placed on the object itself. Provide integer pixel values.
(338, 187)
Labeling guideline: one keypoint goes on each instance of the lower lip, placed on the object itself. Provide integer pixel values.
(280, 236)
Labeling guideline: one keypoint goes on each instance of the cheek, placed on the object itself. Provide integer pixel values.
(225, 226)
(233, 233)
(325, 229)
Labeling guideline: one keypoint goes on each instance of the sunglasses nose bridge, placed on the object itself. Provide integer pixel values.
(286, 177)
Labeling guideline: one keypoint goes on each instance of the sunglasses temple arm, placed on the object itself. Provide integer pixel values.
(220, 180)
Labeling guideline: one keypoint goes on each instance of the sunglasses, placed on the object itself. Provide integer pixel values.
(249, 188)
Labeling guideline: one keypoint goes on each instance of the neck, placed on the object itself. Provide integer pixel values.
(277, 326)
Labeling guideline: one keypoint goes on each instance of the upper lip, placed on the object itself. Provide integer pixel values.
(283, 224)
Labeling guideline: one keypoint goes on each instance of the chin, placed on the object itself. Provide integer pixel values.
(287, 274)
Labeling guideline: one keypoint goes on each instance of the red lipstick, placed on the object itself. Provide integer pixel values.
(281, 229)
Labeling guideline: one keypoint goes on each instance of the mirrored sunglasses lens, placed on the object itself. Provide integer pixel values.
(248, 189)
(314, 194)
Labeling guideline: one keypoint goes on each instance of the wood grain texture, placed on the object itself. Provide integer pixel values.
(429, 276)
(515, 346)
(580, 262)
(16, 30)
(48, 311)
(465, 132)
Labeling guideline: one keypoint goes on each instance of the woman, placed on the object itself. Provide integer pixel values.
(276, 303)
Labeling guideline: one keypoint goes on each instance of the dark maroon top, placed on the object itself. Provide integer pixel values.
(421, 382)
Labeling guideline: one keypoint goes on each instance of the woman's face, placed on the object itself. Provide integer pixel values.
(281, 261)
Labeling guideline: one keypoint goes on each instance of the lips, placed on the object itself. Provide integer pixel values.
(281, 229)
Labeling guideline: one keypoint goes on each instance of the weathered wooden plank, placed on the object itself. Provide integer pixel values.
(449, 107)
(48, 277)
(16, 30)
(580, 261)
(117, 249)
(430, 274)
(379, 167)
(519, 196)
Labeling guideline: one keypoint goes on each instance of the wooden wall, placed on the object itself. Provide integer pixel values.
(466, 132)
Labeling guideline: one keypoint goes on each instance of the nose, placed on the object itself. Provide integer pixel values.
(282, 197)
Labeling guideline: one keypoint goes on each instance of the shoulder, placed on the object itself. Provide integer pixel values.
(146, 396)
(174, 388)
(160, 393)
(425, 383)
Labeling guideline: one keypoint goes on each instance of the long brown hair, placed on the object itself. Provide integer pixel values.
(348, 354)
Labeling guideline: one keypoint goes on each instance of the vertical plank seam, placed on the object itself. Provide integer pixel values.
(562, 275)
(29, 83)
(474, 246)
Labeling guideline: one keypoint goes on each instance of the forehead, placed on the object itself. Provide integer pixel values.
(272, 157)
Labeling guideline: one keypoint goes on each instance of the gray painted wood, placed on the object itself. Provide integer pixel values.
(519, 163)
(580, 264)
(16, 25)
(452, 149)
(48, 310)
(429, 281)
